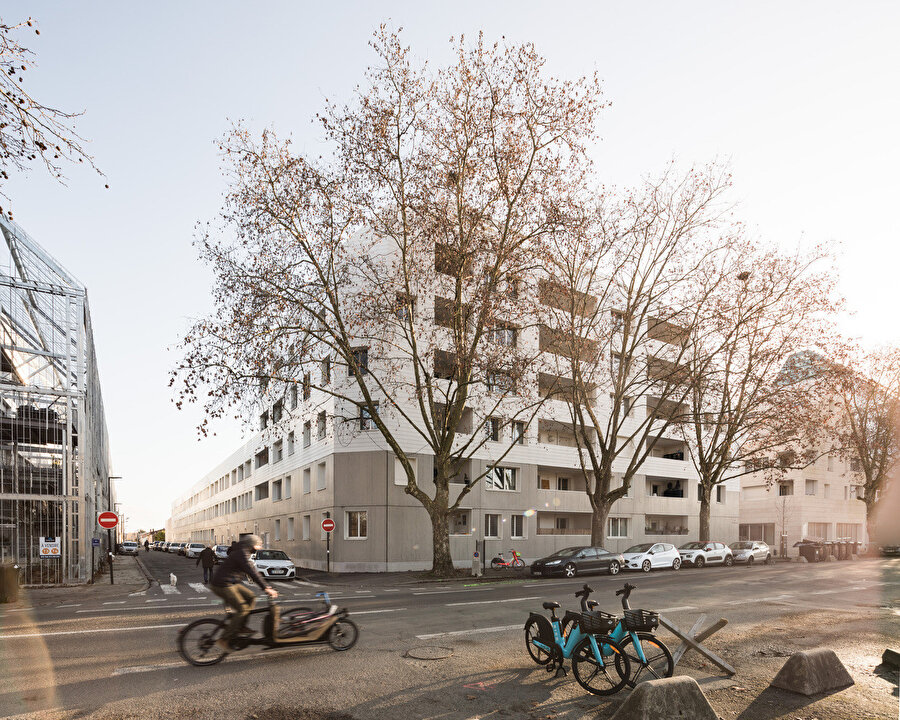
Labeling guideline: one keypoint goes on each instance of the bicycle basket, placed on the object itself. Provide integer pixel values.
(597, 622)
(641, 620)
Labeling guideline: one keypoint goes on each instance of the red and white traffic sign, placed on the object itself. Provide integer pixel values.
(107, 520)
(328, 524)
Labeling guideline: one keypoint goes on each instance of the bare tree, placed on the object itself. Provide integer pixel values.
(30, 130)
(625, 294)
(757, 384)
(392, 277)
(868, 426)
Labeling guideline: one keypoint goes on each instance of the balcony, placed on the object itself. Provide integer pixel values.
(556, 523)
(666, 525)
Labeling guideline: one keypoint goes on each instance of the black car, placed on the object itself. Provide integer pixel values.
(890, 550)
(580, 560)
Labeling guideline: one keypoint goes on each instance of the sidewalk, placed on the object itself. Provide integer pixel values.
(129, 576)
(411, 577)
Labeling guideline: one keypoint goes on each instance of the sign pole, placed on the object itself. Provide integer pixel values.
(328, 526)
(92, 563)
(110, 549)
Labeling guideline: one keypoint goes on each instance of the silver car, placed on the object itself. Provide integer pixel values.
(751, 551)
(129, 547)
(699, 554)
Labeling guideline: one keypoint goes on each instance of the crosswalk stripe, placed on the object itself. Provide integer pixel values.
(170, 590)
(199, 587)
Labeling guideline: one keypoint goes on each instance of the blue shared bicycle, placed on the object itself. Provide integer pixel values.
(599, 662)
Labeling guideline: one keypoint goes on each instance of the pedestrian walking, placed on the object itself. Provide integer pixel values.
(232, 547)
(208, 558)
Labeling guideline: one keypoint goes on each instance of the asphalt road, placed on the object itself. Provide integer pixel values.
(119, 656)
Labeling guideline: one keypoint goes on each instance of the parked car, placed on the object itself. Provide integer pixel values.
(129, 547)
(193, 550)
(647, 556)
(221, 552)
(572, 561)
(699, 554)
(182, 547)
(273, 564)
(751, 551)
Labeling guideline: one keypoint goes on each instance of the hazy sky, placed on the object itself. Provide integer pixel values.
(802, 97)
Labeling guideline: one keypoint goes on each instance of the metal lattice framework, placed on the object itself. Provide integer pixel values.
(54, 449)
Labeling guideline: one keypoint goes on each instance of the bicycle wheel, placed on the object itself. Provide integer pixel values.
(496, 564)
(532, 633)
(659, 660)
(343, 634)
(518, 563)
(604, 676)
(197, 642)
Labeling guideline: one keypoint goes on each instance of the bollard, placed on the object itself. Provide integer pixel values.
(476, 565)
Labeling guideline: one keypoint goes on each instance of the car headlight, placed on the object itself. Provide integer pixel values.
(554, 562)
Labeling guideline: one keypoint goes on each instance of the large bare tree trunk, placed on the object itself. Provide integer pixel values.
(870, 523)
(705, 492)
(598, 523)
(442, 563)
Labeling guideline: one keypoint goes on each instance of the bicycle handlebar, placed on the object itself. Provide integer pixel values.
(584, 593)
(625, 592)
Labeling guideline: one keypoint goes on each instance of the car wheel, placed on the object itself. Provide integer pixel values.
(749, 561)
(729, 561)
(614, 567)
(570, 570)
(700, 562)
(769, 560)
(676, 564)
(645, 566)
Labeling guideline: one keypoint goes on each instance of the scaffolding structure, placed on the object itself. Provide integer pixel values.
(54, 446)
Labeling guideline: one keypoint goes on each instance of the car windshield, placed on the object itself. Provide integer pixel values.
(271, 555)
(692, 546)
(741, 546)
(639, 548)
(221, 548)
(567, 552)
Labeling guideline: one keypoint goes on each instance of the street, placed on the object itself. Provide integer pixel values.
(117, 658)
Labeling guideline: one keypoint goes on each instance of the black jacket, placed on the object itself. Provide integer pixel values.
(233, 569)
(207, 557)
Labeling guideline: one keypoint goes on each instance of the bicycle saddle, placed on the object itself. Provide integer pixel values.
(551, 605)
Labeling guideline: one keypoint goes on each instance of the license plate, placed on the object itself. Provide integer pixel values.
(278, 572)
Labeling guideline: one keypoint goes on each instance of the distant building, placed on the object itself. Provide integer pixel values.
(54, 447)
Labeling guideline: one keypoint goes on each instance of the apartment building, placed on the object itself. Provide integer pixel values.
(818, 503)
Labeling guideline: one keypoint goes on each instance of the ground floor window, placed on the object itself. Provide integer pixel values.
(849, 531)
(757, 531)
(819, 531)
(306, 527)
(357, 524)
(617, 528)
(517, 526)
(491, 526)
(459, 523)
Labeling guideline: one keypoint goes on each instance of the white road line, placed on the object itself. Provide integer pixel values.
(129, 609)
(374, 612)
(359, 592)
(89, 632)
(543, 584)
(145, 668)
(475, 631)
(170, 590)
(391, 590)
(762, 599)
(201, 599)
(157, 600)
(444, 592)
(75, 605)
(488, 602)
(199, 587)
(676, 609)
(115, 602)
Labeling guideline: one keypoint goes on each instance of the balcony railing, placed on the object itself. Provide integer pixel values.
(564, 531)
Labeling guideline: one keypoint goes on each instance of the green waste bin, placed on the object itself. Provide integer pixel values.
(9, 583)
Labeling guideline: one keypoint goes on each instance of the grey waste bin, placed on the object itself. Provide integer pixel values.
(9, 583)
(811, 551)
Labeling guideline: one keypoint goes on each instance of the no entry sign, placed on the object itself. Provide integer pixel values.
(328, 524)
(107, 520)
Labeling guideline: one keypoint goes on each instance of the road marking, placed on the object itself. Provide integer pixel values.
(486, 602)
(373, 612)
(129, 609)
(170, 590)
(88, 632)
(199, 587)
(543, 584)
(359, 592)
(762, 599)
(391, 590)
(201, 599)
(158, 600)
(676, 609)
(145, 668)
(444, 592)
(75, 605)
(115, 602)
(475, 631)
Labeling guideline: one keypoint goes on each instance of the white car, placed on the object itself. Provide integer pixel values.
(193, 550)
(221, 552)
(699, 554)
(647, 556)
(129, 547)
(273, 564)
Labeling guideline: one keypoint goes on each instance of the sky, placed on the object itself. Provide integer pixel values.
(800, 98)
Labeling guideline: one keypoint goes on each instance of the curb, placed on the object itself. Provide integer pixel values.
(146, 573)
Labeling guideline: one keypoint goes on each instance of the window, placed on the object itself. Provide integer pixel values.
(517, 526)
(264, 420)
(307, 434)
(826, 491)
(497, 381)
(287, 487)
(247, 468)
(819, 531)
(543, 483)
(276, 491)
(306, 527)
(617, 528)
(320, 476)
(320, 426)
(492, 429)
(278, 529)
(262, 491)
(502, 335)
(848, 531)
(854, 465)
(562, 483)
(277, 410)
(277, 452)
(785, 488)
(518, 433)
(360, 360)
(325, 370)
(365, 418)
(810, 487)
(290, 530)
(459, 523)
(357, 521)
(307, 386)
(400, 471)
(830, 464)
(562, 523)
(491, 525)
(306, 474)
(405, 307)
(290, 443)
(294, 396)
(720, 494)
(262, 458)
(501, 478)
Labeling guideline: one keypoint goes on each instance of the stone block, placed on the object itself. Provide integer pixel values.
(891, 657)
(675, 698)
(810, 672)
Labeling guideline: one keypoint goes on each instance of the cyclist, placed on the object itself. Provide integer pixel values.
(227, 584)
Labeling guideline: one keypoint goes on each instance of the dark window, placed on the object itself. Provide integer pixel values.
(307, 386)
(360, 360)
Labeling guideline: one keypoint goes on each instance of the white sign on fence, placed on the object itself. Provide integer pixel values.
(50, 547)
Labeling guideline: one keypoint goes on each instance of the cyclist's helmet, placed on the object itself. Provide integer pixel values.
(250, 542)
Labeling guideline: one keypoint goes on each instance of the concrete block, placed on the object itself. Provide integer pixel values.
(812, 671)
(891, 657)
(675, 698)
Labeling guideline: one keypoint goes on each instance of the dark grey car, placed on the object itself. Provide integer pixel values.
(580, 560)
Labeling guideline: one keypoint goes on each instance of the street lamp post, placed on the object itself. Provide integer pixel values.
(109, 545)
